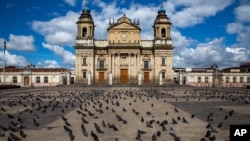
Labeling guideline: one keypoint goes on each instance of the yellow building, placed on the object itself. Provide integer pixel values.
(123, 57)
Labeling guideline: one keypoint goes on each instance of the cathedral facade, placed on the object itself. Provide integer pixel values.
(123, 57)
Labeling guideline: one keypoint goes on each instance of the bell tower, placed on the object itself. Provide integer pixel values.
(85, 24)
(162, 27)
(84, 47)
(163, 47)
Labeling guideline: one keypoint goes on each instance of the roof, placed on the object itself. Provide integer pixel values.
(14, 69)
(245, 64)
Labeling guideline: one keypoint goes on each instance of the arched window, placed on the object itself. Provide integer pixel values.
(163, 32)
(14, 79)
(38, 79)
(199, 79)
(146, 61)
(234, 79)
(248, 79)
(241, 79)
(101, 60)
(84, 32)
(206, 79)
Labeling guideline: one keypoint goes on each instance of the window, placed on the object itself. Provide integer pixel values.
(199, 79)
(46, 79)
(241, 79)
(248, 79)
(234, 79)
(206, 79)
(38, 79)
(146, 65)
(163, 74)
(227, 79)
(163, 32)
(84, 32)
(84, 61)
(101, 64)
(84, 74)
(163, 61)
(14, 79)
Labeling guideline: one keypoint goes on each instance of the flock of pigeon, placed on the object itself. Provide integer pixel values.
(104, 113)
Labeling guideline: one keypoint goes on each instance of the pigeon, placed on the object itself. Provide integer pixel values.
(103, 124)
(142, 119)
(23, 135)
(153, 137)
(15, 137)
(184, 120)
(84, 131)
(226, 116)
(220, 125)
(208, 133)
(231, 113)
(176, 110)
(174, 121)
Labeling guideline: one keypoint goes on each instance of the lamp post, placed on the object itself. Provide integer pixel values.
(4, 62)
(215, 66)
(30, 67)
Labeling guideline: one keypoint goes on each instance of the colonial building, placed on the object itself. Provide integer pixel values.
(37, 77)
(209, 77)
(123, 57)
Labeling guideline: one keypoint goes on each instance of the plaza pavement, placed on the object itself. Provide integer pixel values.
(152, 103)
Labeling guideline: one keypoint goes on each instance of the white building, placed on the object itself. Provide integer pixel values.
(26, 77)
(209, 77)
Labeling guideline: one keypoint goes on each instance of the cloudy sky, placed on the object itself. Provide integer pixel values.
(204, 32)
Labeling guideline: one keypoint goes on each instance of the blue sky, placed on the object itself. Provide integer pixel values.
(204, 32)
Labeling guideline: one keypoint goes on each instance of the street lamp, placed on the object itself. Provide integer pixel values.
(4, 62)
(29, 67)
(215, 66)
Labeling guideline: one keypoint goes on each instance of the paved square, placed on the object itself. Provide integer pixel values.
(44, 113)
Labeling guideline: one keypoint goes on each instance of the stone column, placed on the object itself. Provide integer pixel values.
(129, 66)
(110, 78)
(109, 62)
(113, 64)
(89, 78)
(133, 66)
(139, 78)
(160, 79)
(68, 78)
(118, 67)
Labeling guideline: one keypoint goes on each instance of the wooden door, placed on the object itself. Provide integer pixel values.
(101, 77)
(26, 81)
(146, 77)
(124, 76)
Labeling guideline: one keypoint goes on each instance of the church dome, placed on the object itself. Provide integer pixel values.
(161, 9)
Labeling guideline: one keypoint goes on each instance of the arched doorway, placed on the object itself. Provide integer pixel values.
(26, 81)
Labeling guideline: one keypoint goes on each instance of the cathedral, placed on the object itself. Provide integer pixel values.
(123, 57)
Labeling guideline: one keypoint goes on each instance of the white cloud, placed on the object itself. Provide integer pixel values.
(241, 26)
(242, 13)
(180, 41)
(20, 42)
(70, 2)
(12, 59)
(234, 28)
(58, 31)
(67, 57)
(209, 53)
(190, 13)
(48, 64)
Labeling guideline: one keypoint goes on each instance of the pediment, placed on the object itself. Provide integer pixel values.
(124, 25)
